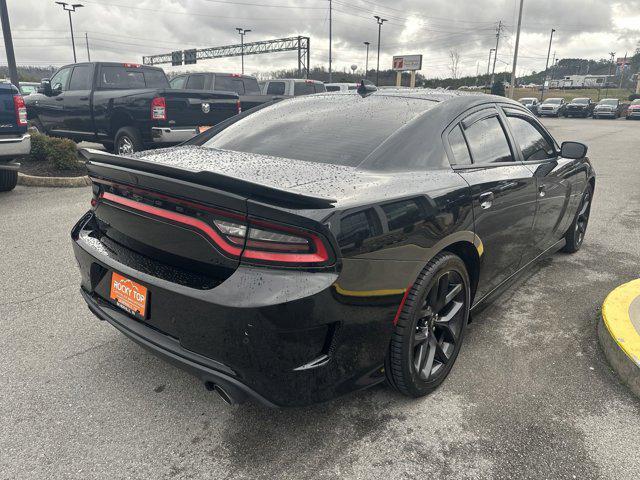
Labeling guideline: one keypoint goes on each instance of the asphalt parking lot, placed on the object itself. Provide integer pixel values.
(531, 395)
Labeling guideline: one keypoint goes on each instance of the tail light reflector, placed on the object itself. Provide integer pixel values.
(158, 108)
(21, 110)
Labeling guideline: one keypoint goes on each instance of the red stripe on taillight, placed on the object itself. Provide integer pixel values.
(175, 217)
(20, 109)
(404, 299)
(158, 108)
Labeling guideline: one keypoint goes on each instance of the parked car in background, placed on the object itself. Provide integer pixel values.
(580, 107)
(294, 265)
(608, 108)
(126, 107)
(633, 112)
(15, 142)
(553, 107)
(531, 103)
(27, 88)
(292, 87)
(245, 86)
(346, 87)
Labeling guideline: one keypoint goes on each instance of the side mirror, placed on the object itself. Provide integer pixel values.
(573, 150)
(45, 87)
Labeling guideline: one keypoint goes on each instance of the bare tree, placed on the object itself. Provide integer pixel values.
(454, 67)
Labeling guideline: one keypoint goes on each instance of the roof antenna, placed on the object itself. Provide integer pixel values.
(365, 90)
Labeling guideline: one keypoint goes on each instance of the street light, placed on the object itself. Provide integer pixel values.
(366, 63)
(242, 32)
(71, 8)
(380, 22)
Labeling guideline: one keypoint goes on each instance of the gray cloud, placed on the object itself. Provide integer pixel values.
(125, 30)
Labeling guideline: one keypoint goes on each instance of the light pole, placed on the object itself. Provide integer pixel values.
(8, 43)
(71, 8)
(606, 83)
(546, 67)
(242, 32)
(330, 39)
(380, 22)
(366, 63)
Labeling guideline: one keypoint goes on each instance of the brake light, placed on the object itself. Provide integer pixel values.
(20, 109)
(237, 236)
(238, 106)
(236, 75)
(158, 109)
(131, 65)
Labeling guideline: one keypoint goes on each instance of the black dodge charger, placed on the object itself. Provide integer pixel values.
(328, 243)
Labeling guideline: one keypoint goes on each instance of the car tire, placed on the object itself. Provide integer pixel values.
(8, 180)
(430, 327)
(127, 141)
(578, 228)
(36, 126)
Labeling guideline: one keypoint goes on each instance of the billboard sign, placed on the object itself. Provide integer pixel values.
(405, 63)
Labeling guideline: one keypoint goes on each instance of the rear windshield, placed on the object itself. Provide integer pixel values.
(328, 129)
(120, 77)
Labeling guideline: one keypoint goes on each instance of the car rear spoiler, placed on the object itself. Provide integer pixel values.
(97, 158)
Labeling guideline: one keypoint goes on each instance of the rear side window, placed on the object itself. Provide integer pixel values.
(331, 129)
(229, 84)
(533, 144)
(320, 88)
(251, 86)
(303, 88)
(196, 82)
(275, 88)
(459, 147)
(487, 142)
(178, 82)
(121, 77)
(81, 78)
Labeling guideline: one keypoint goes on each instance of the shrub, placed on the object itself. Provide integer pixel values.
(60, 153)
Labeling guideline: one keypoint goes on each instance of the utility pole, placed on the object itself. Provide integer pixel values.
(86, 40)
(495, 57)
(366, 63)
(330, 39)
(242, 32)
(515, 52)
(71, 8)
(613, 56)
(8, 43)
(380, 22)
(489, 64)
(546, 74)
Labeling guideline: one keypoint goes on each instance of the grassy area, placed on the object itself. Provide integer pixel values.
(621, 93)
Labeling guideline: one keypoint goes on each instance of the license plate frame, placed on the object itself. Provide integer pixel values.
(129, 295)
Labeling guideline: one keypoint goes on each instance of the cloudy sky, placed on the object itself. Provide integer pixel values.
(125, 30)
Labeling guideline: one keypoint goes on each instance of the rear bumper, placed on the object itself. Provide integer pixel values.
(172, 136)
(284, 338)
(15, 147)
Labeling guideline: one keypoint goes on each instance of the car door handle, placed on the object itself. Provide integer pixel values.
(59, 99)
(486, 200)
(542, 191)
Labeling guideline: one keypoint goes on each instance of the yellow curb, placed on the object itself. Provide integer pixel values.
(60, 182)
(617, 319)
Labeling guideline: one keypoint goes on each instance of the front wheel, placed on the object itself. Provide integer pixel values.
(8, 180)
(127, 141)
(575, 235)
(428, 335)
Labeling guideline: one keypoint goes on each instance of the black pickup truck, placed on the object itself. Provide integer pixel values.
(14, 140)
(126, 107)
(245, 86)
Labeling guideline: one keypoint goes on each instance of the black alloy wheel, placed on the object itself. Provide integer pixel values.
(127, 141)
(575, 235)
(429, 332)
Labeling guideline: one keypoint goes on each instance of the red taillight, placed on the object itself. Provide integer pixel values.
(238, 106)
(236, 236)
(21, 110)
(131, 65)
(158, 109)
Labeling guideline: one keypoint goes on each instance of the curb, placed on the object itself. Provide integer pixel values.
(618, 337)
(60, 182)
